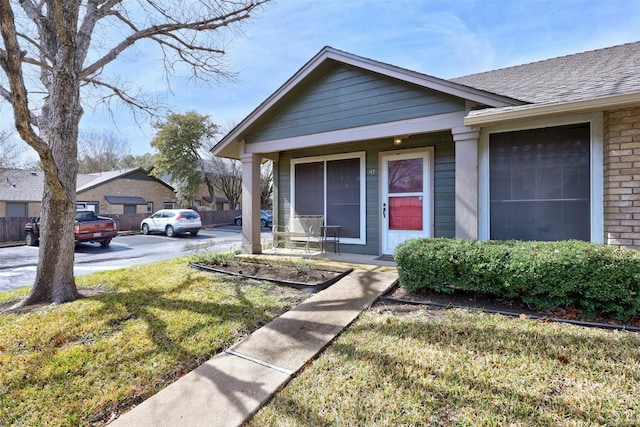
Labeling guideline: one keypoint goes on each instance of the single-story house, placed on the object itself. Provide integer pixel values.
(542, 151)
(115, 192)
(204, 200)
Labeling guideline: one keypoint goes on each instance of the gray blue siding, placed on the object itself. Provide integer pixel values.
(345, 97)
(444, 183)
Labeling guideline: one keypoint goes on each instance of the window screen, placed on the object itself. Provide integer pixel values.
(540, 184)
(331, 188)
(310, 188)
(343, 196)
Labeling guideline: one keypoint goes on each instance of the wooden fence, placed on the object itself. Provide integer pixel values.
(12, 229)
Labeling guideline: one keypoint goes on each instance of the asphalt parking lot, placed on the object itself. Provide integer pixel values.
(18, 264)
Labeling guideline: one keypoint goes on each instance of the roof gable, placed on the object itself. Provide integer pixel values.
(342, 97)
(324, 61)
(94, 179)
(86, 182)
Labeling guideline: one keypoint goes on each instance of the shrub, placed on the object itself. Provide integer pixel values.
(600, 279)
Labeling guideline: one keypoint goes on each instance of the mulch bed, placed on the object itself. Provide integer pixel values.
(303, 277)
(476, 301)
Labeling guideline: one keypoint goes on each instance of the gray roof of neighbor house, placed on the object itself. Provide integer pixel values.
(581, 76)
(87, 181)
(21, 185)
(28, 186)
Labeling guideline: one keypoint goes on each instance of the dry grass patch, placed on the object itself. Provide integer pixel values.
(143, 327)
(429, 367)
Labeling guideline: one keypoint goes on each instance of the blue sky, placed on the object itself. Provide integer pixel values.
(441, 38)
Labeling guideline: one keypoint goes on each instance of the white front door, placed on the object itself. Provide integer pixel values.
(406, 197)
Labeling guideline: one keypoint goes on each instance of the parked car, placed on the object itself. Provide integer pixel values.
(89, 227)
(266, 219)
(172, 222)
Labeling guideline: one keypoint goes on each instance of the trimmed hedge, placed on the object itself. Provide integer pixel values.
(600, 279)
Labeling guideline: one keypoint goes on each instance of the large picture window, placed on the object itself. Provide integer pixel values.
(540, 184)
(333, 186)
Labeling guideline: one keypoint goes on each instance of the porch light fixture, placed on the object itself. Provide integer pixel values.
(397, 140)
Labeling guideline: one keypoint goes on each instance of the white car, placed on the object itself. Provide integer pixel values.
(172, 222)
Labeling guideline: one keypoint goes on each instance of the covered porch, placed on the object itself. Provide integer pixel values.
(341, 130)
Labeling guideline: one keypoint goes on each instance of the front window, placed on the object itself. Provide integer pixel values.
(539, 184)
(333, 186)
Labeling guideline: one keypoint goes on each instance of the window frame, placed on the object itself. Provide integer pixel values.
(361, 156)
(596, 190)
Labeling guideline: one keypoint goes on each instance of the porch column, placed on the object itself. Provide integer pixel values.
(466, 207)
(251, 203)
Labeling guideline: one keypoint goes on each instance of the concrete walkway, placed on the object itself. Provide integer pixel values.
(229, 388)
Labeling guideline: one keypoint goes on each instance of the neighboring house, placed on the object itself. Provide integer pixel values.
(124, 191)
(113, 192)
(205, 201)
(542, 151)
(20, 193)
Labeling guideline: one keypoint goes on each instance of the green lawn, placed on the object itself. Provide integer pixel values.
(79, 363)
(464, 368)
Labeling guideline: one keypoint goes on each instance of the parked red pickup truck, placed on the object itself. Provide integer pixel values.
(89, 228)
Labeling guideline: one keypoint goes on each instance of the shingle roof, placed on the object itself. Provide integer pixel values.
(21, 185)
(593, 74)
(28, 186)
(93, 179)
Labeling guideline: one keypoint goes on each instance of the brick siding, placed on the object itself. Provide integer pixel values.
(622, 177)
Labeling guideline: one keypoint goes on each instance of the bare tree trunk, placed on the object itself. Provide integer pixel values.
(54, 280)
(59, 128)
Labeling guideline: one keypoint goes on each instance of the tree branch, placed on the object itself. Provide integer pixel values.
(121, 94)
(11, 63)
(170, 30)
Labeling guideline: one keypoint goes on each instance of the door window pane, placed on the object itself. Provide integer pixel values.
(405, 213)
(540, 184)
(405, 176)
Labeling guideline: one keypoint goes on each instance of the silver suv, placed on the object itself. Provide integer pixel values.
(172, 222)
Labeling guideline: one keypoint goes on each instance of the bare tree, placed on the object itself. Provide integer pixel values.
(61, 49)
(101, 151)
(225, 177)
(12, 151)
(266, 184)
